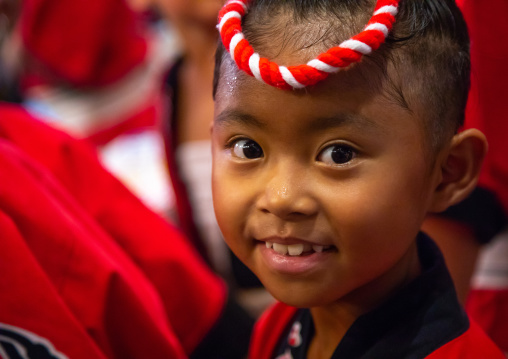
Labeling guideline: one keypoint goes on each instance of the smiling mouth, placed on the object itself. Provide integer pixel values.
(299, 249)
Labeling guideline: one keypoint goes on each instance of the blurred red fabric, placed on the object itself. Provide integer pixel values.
(82, 251)
(487, 110)
(487, 107)
(79, 42)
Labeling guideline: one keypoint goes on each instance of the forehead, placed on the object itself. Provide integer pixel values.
(351, 94)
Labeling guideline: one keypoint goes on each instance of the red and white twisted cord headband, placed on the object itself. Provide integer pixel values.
(297, 77)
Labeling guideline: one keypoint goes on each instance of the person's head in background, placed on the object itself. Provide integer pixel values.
(9, 13)
(188, 17)
(194, 23)
(322, 191)
(9, 50)
(193, 12)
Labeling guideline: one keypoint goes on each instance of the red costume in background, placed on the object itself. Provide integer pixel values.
(81, 43)
(84, 264)
(487, 209)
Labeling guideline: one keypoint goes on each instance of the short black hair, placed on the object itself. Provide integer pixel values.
(425, 61)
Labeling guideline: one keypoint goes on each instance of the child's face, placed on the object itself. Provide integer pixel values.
(337, 167)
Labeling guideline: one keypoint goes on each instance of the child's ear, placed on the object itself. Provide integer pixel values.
(460, 169)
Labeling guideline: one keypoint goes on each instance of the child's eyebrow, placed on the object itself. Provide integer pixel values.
(229, 117)
(236, 117)
(344, 119)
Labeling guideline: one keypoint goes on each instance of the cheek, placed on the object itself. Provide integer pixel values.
(377, 209)
(220, 194)
(228, 203)
(230, 212)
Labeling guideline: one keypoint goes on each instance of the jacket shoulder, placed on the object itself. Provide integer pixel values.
(268, 330)
(472, 344)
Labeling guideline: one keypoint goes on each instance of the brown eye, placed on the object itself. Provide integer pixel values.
(248, 149)
(337, 154)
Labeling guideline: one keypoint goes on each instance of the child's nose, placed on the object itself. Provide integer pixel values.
(287, 196)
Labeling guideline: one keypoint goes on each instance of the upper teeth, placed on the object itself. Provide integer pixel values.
(294, 249)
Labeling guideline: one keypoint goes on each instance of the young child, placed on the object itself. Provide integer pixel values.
(321, 185)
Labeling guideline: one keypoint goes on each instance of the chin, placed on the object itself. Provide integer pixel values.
(299, 302)
(297, 297)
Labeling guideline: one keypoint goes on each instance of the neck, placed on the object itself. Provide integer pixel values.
(331, 322)
(199, 43)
